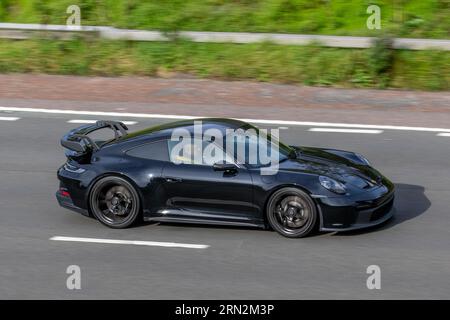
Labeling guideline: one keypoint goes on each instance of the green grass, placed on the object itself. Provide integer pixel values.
(309, 65)
(412, 18)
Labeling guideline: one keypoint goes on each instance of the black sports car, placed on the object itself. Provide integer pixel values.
(140, 175)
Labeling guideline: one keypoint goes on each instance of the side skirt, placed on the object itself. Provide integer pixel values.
(202, 221)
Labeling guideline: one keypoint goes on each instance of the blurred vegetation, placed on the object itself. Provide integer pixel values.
(378, 67)
(381, 60)
(411, 18)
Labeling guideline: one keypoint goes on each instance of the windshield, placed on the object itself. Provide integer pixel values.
(255, 147)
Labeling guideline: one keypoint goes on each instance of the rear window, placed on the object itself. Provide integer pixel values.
(151, 151)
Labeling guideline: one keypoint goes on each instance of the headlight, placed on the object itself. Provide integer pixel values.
(332, 185)
(362, 159)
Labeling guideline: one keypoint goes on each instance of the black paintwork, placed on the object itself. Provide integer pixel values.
(201, 194)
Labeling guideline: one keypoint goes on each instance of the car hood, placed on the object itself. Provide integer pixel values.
(336, 164)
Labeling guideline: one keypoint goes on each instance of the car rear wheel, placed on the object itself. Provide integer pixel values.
(292, 213)
(114, 202)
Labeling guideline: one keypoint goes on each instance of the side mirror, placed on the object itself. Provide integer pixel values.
(225, 166)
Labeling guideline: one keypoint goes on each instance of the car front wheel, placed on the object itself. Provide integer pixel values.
(291, 212)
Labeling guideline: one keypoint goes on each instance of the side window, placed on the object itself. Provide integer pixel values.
(152, 151)
(254, 150)
(196, 150)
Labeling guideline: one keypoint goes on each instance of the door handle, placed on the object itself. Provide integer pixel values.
(173, 180)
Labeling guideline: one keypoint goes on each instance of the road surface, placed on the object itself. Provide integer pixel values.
(237, 263)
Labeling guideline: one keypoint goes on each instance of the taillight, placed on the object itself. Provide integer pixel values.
(63, 192)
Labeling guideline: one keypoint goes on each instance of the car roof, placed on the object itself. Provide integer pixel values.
(166, 129)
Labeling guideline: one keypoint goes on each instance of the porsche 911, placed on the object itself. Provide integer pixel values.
(142, 176)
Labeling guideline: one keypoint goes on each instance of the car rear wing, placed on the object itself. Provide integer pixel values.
(78, 139)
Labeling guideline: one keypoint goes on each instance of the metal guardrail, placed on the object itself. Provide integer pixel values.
(26, 31)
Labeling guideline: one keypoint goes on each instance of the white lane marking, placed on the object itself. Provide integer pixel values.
(128, 123)
(9, 118)
(347, 125)
(100, 113)
(133, 242)
(261, 121)
(444, 134)
(345, 130)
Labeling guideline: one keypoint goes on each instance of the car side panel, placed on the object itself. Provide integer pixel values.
(208, 193)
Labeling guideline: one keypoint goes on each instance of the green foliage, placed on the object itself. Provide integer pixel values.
(381, 60)
(412, 18)
(309, 65)
(378, 67)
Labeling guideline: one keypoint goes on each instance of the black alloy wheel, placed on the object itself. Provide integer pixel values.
(292, 213)
(114, 202)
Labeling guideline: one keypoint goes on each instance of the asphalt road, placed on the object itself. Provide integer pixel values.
(240, 263)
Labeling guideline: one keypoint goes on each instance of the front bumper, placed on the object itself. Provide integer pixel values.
(363, 211)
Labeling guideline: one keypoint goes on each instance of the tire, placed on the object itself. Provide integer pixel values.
(114, 202)
(292, 213)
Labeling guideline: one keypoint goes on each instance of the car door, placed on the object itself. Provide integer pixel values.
(200, 192)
